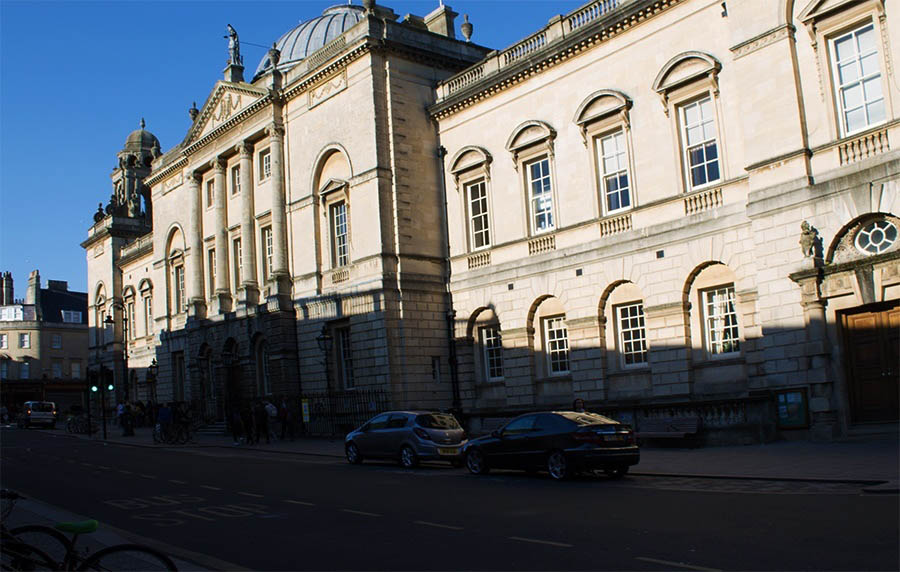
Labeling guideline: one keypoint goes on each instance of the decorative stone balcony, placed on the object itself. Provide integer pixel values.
(542, 244)
(615, 225)
(702, 201)
(339, 276)
(480, 259)
(868, 145)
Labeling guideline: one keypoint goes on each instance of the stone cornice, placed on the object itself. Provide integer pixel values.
(829, 269)
(618, 20)
(758, 42)
(163, 173)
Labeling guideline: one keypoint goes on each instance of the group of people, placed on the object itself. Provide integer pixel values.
(253, 421)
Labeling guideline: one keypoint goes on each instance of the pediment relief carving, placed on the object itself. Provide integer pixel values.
(225, 102)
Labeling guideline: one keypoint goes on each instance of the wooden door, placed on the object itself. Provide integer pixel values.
(872, 341)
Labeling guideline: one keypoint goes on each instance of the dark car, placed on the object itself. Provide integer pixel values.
(409, 437)
(560, 442)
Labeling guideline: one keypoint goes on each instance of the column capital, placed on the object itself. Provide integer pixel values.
(195, 177)
(244, 148)
(275, 130)
(218, 164)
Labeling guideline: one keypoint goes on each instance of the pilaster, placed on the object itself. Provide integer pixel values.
(194, 262)
(280, 281)
(249, 291)
(221, 302)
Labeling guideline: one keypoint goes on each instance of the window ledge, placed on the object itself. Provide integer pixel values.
(712, 361)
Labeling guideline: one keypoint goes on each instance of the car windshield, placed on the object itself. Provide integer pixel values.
(42, 406)
(437, 421)
(586, 418)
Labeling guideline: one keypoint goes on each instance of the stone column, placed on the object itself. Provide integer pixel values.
(194, 262)
(824, 425)
(281, 278)
(222, 298)
(249, 292)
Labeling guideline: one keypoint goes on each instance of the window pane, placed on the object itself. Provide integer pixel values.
(844, 48)
(694, 134)
(866, 39)
(856, 119)
(698, 176)
(712, 171)
(696, 155)
(869, 64)
(852, 96)
(876, 111)
(872, 89)
(691, 114)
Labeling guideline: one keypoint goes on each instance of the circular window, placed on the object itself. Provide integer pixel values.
(876, 237)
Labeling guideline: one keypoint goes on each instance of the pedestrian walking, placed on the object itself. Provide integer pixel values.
(287, 419)
(261, 417)
(247, 424)
(236, 426)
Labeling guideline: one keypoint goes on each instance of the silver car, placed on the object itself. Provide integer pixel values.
(407, 436)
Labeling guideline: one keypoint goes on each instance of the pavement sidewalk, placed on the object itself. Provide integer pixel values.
(874, 462)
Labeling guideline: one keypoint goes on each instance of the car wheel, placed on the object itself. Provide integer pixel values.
(353, 456)
(408, 457)
(558, 465)
(617, 472)
(476, 462)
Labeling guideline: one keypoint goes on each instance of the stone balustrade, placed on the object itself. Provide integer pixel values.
(479, 259)
(542, 244)
(868, 145)
(702, 201)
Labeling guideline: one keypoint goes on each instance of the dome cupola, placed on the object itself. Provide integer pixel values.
(312, 35)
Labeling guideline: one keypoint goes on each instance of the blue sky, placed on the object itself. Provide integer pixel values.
(77, 77)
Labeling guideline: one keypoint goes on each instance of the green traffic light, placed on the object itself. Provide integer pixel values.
(94, 388)
(109, 387)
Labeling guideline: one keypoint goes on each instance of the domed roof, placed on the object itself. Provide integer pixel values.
(141, 139)
(311, 35)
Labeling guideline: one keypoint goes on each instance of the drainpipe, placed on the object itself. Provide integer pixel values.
(451, 313)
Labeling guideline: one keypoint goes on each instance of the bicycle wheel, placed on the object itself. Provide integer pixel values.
(18, 555)
(48, 540)
(128, 557)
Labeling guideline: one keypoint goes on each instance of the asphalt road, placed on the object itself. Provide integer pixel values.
(269, 511)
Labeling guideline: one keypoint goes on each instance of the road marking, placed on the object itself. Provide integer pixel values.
(148, 476)
(87, 464)
(300, 502)
(251, 495)
(436, 525)
(124, 472)
(177, 482)
(536, 541)
(677, 564)
(210, 487)
(359, 512)
(103, 467)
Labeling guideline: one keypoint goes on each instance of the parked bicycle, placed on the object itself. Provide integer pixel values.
(79, 424)
(36, 547)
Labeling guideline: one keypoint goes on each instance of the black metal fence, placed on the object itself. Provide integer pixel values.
(338, 412)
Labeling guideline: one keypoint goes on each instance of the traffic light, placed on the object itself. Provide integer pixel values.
(109, 387)
(94, 388)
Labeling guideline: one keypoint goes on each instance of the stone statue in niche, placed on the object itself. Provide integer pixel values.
(808, 237)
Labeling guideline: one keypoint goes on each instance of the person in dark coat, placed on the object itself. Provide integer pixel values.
(236, 426)
(261, 416)
(247, 423)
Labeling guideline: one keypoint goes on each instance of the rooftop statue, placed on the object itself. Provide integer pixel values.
(234, 47)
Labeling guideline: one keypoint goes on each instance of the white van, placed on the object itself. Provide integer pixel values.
(38, 413)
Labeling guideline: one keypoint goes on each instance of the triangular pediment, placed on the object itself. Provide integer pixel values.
(224, 102)
(820, 8)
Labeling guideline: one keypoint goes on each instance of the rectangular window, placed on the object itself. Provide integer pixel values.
(71, 317)
(148, 315)
(556, 345)
(722, 335)
(340, 244)
(235, 180)
(178, 375)
(541, 195)
(4, 369)
(632, 334)
(56, 341)
(492, 346)
(210, 193)
(56, 370)
(178, 283)
(265, 164)
(236, 263)
(76, 370)
(4, 342)
(613, 161)
(268, 252)
(701, 148)
(211, 271)
(24, 370)
(479, 224)
(436, 369)
(129, 308)
(25, 341)
(857, 73)
(345, 357)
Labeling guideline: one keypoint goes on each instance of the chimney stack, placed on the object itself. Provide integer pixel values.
(6, 290)
(441, 21)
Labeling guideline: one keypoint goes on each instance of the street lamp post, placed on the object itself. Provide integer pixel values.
(152, 370)
(109, 321)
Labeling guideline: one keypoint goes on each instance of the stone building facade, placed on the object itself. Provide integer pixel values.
(665, 207)
(682, 208)
(43, 343)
